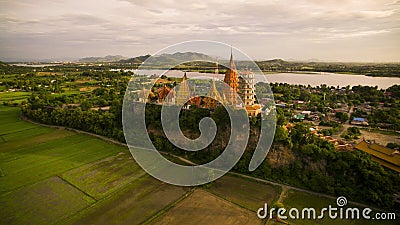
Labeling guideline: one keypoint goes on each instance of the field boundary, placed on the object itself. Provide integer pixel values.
(98, 202)
(227, 200)
(169, 206)
(76, 187)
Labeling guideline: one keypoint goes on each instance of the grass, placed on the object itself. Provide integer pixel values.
(33, 163)
(385, 132)
(51, 176)
(248, 194)
(42, 203)
(17, 96)
(140, 200)
(102, 177)
(57, 176)
(201, 207)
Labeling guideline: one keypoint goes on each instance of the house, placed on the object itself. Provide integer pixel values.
(298, 117)
(359, 121)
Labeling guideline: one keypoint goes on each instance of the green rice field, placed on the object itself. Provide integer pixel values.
(58, 176)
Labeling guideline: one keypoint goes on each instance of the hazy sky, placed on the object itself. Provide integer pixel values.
(329, 30)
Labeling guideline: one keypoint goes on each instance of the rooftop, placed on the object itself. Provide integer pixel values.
(387, 157)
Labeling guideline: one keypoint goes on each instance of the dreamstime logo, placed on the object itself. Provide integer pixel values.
(144, 86)
(330, 212)
(341, 201)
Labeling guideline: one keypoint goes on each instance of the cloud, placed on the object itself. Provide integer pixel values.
(131, 27)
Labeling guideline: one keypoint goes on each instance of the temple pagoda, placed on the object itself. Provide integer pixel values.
(231, 79)
(183, 93)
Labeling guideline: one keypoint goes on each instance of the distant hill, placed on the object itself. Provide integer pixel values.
(188, 56)
(169, 59)
(138, 59)
(172, 59)
(274, 61)
(3, 63)
(109, 58)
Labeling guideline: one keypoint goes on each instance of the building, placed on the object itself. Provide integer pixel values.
(183, 92)
(246, 92)
(359, 121)
(242, 87)
(165, 95)
(299, 117)
(246, 88)
(232, 80)
(387, 157)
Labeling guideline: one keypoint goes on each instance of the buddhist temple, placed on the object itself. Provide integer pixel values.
(231, 79)
(197, 100)
(163, 95)
(183, 93)
(242, 86)
(246, 92)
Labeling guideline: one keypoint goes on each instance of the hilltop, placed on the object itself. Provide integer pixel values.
(108, 58)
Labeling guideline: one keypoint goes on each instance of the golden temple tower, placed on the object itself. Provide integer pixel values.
(183, 93)
(231, 79)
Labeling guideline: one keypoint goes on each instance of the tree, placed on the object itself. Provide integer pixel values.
(343, 117)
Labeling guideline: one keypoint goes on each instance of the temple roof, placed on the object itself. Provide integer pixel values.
(184, 77)
(232, 65)
(383, 155)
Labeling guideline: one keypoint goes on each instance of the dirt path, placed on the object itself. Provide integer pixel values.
(345, 125)
(283, 194)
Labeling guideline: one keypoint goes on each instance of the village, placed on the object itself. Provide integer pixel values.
(339, 115)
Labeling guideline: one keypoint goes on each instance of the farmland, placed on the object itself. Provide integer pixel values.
(58, 176)
(204, 208)
(248, 194)
(13, 97)
(300, 200)
(52, 176)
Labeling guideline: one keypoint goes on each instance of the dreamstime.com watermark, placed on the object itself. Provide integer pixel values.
(332, 212)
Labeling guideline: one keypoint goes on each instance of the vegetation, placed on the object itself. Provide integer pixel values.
(311, 159)
(53, 176)
(90, 98)
(250, 194)
(351, 133)
(393, 146)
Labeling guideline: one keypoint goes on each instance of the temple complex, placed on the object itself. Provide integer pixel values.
(183, 92)
(242, 85)
(231, 79)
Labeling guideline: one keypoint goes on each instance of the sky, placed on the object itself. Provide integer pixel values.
(325, 30)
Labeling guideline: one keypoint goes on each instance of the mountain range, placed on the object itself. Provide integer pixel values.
(108, 58)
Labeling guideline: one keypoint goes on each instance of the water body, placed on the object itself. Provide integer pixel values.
(313, 79)
(34, 65)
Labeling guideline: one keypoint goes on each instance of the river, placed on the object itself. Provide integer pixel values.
(313, 79)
